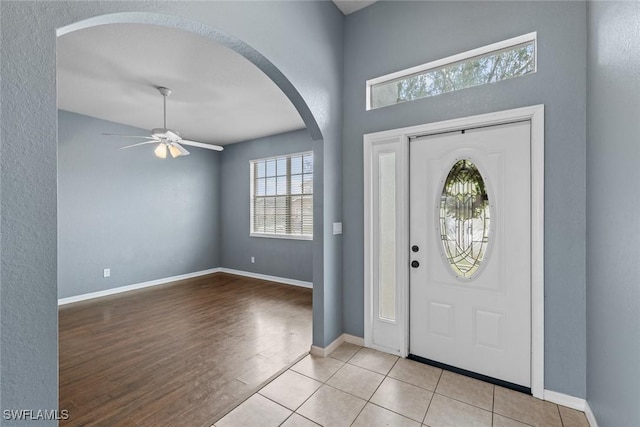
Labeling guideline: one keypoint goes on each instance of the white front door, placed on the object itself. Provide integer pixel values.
(470, 238)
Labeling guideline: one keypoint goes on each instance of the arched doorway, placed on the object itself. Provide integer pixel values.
(233, 44)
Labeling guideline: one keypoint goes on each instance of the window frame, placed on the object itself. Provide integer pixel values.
(451, 60)
(252, 179)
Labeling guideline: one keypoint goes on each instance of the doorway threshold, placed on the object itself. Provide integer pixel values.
(471, 374)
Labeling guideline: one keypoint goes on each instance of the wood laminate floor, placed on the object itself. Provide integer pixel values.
(181, 354)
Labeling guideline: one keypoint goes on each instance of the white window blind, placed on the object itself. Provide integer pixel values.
(282, 196)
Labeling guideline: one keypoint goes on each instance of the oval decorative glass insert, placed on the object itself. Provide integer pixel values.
(464, 219)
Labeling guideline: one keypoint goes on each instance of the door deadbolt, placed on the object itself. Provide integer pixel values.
(415, 264)
(415, 248)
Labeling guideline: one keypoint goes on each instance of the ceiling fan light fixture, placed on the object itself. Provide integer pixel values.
(161, 151)
(174, 151)
(169, 140)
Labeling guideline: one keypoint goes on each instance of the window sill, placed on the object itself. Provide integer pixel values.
(283, 236)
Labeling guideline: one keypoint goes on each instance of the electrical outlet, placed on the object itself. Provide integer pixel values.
(107, 272)
(253, 260)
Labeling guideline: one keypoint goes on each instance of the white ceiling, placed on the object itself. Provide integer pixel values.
(111, 72)
(350, 6)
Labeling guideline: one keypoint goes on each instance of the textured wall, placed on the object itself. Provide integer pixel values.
(276, 257)
(390, 36)
(143, 217)
(613, 227)
(297, 44)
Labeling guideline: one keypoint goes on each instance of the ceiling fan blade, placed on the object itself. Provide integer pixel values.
(171, 135)
(201, 145)
(128, 136)
(140, 143)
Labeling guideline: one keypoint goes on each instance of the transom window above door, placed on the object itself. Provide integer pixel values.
(282, 196)
(510, 58)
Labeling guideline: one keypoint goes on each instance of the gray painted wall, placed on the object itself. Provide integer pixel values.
(143, 217)
(276, 257)
(390, 36)
(613, 227)
(147, 218)
(297, 44)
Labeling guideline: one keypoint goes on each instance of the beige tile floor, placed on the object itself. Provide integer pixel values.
(358, 386)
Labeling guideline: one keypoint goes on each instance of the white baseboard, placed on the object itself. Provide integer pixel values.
(326, 351)
(83, 297)
(267, 277)
(590, 416)
(565, 400)
(353, 339)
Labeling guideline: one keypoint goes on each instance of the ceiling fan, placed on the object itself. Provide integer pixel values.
(167, 139)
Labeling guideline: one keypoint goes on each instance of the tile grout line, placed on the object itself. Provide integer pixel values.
(394, 412)
(325, 384)
(461, 401)
(559, 414)
(374, 391)
(300, 415)
(493, 405)
(434, 393)
(385, 376)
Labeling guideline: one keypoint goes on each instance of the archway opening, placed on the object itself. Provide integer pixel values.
(144, 220)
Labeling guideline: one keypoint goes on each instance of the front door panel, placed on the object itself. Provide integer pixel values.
(470, 291)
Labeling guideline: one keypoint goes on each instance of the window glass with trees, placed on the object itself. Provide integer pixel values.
(282, 196)
(456, 73)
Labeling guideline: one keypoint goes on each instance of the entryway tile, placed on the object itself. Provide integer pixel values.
(296, 420)
(374, 360)
(345, 351)
(465, 389)
(374, 416)
(572, 418)
(403, 398)
(525, 408)
(290, 389)
(319, 368)
(500, 421)
(416, 373)
(446, 412)
(257, 410)
(332, 407)
(357, 381)
(354, 395)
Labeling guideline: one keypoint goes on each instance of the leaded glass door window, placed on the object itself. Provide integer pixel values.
(465, 219)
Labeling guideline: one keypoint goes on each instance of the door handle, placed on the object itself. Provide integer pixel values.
(415, 264)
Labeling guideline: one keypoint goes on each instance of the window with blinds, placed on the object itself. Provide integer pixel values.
(282, 196)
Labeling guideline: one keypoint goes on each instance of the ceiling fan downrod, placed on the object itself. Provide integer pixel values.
(165, 91)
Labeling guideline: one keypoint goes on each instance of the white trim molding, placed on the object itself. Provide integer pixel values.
(266, 277)
(572, 402)
(162, 281)
(534, 114)
(326, 351)
(590, 416)
(352, 339)
(565, 400)
(118, 290)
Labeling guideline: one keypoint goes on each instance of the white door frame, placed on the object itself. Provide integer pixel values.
(400, 139)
